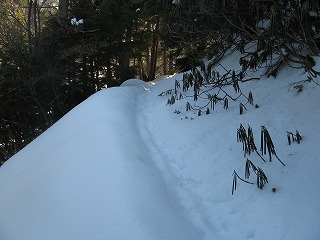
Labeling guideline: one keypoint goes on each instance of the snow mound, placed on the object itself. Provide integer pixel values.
(89, 177)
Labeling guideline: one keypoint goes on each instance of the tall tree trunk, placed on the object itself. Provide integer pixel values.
(170, 65)
(124, 57)
(124, 62)
(142, 74)
(29, 17)
(154, 51)
(109, 71)
(148, 52)
(164, 61)
(35, 18)
(63, 9)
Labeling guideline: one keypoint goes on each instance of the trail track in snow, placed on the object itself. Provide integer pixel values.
(177, 182)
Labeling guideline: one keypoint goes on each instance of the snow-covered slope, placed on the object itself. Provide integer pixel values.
(123, 165)
(90, 177)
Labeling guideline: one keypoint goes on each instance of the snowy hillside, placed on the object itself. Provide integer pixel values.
(123, 165)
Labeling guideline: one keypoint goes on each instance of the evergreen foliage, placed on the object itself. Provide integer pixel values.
(294, 137)
(269, 34)
(249, 146)
(267, 144)
(49, 64)
(207, 83)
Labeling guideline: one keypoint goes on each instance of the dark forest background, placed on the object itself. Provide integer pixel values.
(55, 54)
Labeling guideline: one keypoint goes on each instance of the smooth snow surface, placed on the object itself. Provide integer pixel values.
(122, 165)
